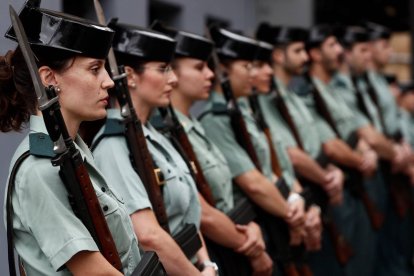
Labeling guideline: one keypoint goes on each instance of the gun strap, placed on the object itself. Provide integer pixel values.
(284, 111)
(361, 104)
(9, 215)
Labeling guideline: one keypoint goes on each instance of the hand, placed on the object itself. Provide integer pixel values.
(334, 188)
(208, 271)
(313, 227)
(262, 265)
(296, 235)
(398, 163)
(369, 163)
(296, 216)
(254, 244)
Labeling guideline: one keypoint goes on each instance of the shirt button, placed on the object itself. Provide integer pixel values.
(180, 178)
(103, 189)
(105, 208)
(169, 170)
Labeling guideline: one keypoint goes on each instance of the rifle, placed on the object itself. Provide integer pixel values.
(343, 250)
(73, 172)
(357, 186)
(177, 131)
(141, 159)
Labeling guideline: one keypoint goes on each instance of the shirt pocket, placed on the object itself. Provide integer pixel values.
(115, 218)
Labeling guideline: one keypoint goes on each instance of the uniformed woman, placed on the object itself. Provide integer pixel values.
(194, 81)
(48, 236)
(147, 55)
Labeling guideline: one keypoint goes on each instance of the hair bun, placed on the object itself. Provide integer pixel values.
(6, 71)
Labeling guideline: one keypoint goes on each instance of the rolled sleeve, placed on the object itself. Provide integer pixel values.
(218, 129)
(45, 210)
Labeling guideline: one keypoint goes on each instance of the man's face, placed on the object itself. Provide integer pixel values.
(331, 52)
(381, 52)
(359, 57)
(295, 58)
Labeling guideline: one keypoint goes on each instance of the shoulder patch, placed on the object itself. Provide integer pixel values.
(41, 145)
(113, 127)
(216, 109)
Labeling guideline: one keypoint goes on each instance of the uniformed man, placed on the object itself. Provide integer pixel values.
(309, 133)
(357, 58)
(325, 52)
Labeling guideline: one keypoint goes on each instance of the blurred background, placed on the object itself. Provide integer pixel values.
(243, 15)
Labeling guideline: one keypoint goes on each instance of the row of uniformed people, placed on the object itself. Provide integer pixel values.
(151, 84)
(78, 70)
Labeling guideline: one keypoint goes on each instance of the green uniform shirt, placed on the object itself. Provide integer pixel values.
(213, 163)
(387, 105)
(179, 192)
(218, 129)
(343, 88)
(312, 129)
(47, 232)
(407, 126)
(345, 121)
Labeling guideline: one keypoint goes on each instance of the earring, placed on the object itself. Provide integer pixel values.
(133, 85)
(57, 89)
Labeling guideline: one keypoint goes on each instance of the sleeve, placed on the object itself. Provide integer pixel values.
(218, 129)
(325, 131)
(112, 159)
(44, 209)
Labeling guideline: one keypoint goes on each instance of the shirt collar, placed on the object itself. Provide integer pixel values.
(185, 121)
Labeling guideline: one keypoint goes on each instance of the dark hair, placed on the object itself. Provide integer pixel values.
(17, 96)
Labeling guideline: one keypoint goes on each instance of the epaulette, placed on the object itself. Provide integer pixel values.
(216, 109)
(113, 127)
(41, 145)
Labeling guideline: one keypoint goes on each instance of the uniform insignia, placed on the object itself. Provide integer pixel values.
(41, 145)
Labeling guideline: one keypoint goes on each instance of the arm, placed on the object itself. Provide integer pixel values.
(152, 237)
(91, 263)
(377, 142)
(202, 256)
(342, 154)
(219, 228)
(263, 193)
(307, 167)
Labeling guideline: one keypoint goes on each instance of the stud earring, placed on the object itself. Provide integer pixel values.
(57, 89)
(133, 85)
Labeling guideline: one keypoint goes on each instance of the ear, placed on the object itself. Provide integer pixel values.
(132, 77)
(48, 76)
(278, 56)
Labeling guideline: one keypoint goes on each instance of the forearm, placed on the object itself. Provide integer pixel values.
(152, 237)
(219, 228)
(342, 154)
(263, 193)
(307, 167)
(377, 142)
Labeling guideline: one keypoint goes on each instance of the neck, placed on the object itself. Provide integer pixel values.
(181, 102)
(317, 70)
(142, 109)
(376, 67)
(72, 124)
(281, 74)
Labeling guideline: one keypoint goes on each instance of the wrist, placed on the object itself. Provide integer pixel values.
(293, 197)
(209, 265)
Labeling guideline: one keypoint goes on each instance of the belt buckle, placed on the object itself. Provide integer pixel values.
(159, 176)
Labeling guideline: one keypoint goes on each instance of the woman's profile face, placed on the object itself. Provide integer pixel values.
(240, 77)
(83, 89)
(155, 84)
(194, 78)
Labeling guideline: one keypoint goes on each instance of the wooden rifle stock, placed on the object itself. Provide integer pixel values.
(343, 250)
(265, 128)
(177, 130)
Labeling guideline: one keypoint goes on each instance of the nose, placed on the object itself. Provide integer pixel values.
(209, 73)
(107, 82)
(172, 78)
(268, 69)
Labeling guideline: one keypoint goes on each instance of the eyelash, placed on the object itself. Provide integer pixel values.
(95, 69)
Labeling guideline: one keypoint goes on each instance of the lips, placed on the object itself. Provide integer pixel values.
(105, 100)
